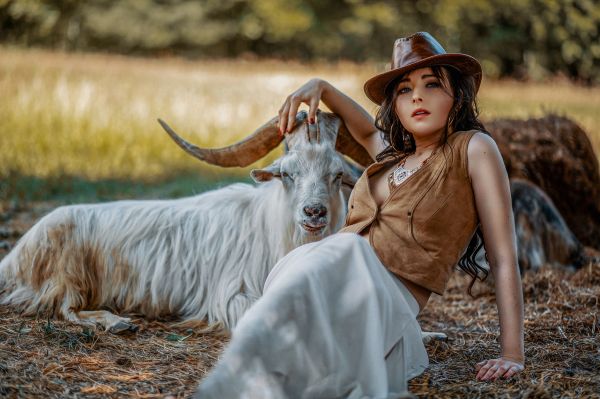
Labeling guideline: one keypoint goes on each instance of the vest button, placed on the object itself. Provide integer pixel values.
(351, 206)
(409, 213)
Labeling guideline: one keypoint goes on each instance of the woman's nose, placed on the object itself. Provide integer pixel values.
(416, 96)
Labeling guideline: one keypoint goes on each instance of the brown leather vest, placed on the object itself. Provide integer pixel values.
(421, 230)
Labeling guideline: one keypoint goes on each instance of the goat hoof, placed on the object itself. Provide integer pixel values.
(123, 327)
(433, 336)
(439, 337)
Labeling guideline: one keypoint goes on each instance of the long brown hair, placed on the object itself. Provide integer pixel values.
(464, 115)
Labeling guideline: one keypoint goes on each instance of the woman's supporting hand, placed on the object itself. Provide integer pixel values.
(492, 196)
(497, 368)
(310, 94)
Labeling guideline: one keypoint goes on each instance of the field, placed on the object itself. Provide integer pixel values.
(92, 118)
(82, 127)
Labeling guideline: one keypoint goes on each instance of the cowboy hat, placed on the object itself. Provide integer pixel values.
(418, 51)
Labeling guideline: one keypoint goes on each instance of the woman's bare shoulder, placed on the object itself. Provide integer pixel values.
(483, 158)
(483, 152)
(481, 144)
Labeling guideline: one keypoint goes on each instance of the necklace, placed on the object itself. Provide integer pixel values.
(400, 173)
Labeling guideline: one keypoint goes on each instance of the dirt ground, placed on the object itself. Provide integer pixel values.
(54, 359)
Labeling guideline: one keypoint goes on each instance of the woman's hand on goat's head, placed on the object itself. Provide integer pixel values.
(310, 94)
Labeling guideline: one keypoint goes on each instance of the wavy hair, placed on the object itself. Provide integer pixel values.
(464, 115)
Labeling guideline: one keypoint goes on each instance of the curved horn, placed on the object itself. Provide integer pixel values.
(243, 153)
(347, 145)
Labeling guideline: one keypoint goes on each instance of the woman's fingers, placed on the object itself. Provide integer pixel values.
(506, 371)
(283, 116)
(293, 110)
(511, 371)
(482, 368)
(497, 368)
(287, 115)
(312, 110)
(479, 365)
(309, 93)
(487, 370)
(500, 371)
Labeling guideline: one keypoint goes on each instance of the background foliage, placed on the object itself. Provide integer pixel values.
(517, 38)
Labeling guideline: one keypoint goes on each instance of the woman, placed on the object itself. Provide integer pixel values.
(338, 317)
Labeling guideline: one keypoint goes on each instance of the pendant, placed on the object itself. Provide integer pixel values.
(400, 174)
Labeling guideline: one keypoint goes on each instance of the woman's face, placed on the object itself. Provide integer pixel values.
(421, 90)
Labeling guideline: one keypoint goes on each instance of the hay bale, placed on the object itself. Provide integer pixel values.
(554, 153)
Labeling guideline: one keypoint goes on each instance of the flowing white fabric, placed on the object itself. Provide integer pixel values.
(333, 322)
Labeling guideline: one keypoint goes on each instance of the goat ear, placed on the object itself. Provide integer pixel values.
(352, 173)
(266, 174)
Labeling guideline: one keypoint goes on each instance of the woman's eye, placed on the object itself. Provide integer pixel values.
(433, 84)
(403, 90)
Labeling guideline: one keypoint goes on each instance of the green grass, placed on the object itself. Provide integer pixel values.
(75, 189)
(83, 127)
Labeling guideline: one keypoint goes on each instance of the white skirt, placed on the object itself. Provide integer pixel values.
(333, 322)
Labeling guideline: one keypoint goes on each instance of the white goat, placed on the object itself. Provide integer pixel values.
(200, 258)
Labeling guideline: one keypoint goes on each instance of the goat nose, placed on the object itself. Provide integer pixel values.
(315, 210)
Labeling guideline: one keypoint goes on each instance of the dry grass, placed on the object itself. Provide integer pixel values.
(53, 359)
(94, 116)
(562, 345)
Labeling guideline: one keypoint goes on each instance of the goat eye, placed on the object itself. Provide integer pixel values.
(285, 175)
(339, 176)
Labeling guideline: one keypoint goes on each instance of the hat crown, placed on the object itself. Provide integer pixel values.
(408, 50)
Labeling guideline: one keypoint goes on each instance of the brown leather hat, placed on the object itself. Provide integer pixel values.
(417, 51)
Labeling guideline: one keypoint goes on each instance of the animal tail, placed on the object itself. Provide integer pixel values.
(12, 291)
(16, 272)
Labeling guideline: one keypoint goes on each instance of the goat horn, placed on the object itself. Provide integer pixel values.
(260, 143)
(347, 145)
(243, 153)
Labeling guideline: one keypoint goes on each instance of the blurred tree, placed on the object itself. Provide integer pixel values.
(525, 37)
(519, 38)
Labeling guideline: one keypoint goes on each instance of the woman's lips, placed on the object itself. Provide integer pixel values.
(420, 116)
(421, 112)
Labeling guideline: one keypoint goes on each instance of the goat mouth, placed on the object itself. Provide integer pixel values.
(314, 229)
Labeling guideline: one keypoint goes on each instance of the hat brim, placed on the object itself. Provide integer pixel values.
(375, 87)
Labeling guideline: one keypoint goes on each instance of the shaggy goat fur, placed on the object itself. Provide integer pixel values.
(200, 258)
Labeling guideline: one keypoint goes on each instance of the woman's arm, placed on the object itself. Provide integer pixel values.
(358, 121)
(492, 198)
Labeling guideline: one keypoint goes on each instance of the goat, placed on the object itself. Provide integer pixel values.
(204, 257)
(543, 236)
